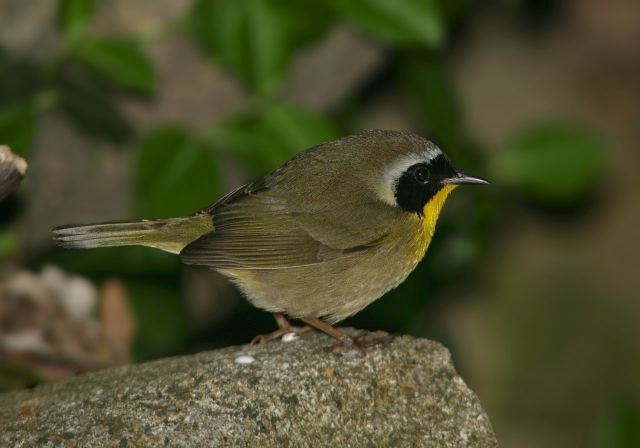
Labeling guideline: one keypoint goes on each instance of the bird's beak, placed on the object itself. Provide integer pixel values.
(462, 179)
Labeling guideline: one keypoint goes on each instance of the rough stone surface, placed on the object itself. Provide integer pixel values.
(406, 393)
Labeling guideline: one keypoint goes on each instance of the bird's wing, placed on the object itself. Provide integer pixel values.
(256, 230)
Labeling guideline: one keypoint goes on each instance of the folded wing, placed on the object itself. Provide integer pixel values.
(254, 229)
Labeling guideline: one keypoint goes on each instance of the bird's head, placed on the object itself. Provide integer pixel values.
(418, 176)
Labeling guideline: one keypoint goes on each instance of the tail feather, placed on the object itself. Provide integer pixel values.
(170, 235)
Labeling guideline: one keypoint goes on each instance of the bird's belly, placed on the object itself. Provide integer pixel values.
(338, 288)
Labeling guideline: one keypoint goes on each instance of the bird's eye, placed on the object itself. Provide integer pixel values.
(421, 174)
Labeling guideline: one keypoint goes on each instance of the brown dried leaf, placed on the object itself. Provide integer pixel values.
(117, 319)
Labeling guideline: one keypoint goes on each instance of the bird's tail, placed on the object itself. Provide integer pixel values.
(170, 235)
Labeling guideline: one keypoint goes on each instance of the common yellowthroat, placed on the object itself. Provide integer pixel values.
(318, 238)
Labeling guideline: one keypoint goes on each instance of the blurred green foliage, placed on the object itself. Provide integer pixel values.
(402, 22)
(257, 38)
(17, 125)
(74, 16)
(552, 164)
(270, 135)
(120, 62)
(164, 328)
(16, 376)
(427, 86)
(621, 427)
(178, 171)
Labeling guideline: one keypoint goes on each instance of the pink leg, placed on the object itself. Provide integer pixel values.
(284, 327)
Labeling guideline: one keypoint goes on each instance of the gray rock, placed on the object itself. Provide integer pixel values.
(406, 393)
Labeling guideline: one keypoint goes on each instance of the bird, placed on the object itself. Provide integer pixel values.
(317, 239)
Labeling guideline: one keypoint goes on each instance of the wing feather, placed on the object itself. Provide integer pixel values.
(256, 234)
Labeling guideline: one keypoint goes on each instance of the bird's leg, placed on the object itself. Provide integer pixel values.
(328, 329)
(284, 327)
(346, 341)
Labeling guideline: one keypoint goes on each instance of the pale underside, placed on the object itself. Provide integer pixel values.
(338, 288)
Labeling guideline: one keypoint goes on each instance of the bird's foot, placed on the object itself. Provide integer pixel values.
(280, 332)
(346, 341)
(284, 328)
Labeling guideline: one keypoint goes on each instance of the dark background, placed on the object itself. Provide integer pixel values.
(131, 109)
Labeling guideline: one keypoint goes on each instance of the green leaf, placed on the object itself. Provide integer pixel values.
(87, 101)
(15, 376)
(176, 174)
(122, 62)
(17, 126)
(245, 35)
(20, 80)
(427, 85)
(270, 137)
(398, 22)
(304, 21)
(553, 164)
(161, 319)
(257, 38)
(296, 128)
(454, 10)
(621, 428)
(9, 242)
(74, 16)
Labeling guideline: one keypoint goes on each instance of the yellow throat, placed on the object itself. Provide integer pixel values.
(422, 238)
(432, 209)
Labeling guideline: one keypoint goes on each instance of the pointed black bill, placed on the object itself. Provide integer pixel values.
(462, 179)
